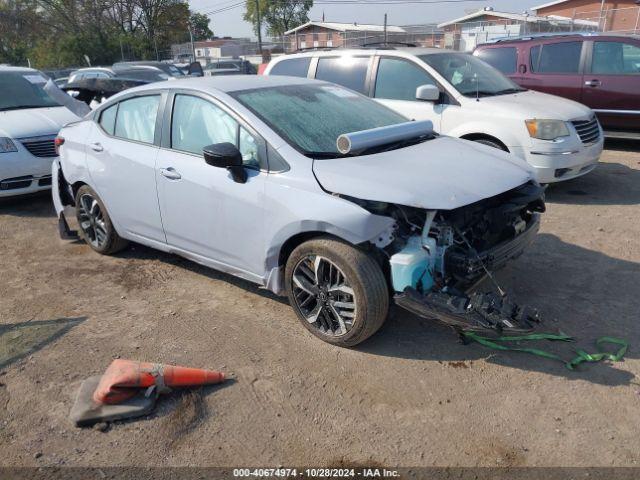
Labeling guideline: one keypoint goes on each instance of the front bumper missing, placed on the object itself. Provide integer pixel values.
(478, 312)
(469, 267)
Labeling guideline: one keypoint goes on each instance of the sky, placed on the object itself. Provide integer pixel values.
(230, 22)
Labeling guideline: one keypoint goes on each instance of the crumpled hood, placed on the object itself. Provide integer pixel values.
(440, 174)
(34, 122)
(532, 104)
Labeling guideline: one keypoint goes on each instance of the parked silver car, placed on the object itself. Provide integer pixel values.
(305, 188)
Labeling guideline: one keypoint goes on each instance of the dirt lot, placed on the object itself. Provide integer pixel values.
(411, 396)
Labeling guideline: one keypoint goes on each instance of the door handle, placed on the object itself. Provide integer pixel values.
(593, 83)
(170, 173)
(96, 147)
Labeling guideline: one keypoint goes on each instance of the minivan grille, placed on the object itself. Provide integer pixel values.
(588, 130)
(40, 146)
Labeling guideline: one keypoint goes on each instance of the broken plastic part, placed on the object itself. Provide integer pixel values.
(477, 312)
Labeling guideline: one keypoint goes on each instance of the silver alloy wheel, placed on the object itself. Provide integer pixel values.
(323, 295)
(91, 221)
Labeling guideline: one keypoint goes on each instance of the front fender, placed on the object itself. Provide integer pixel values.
(506, 135)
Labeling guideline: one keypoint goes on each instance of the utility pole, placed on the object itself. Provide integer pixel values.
(259, 26)
(385, 29)
(193, 48)
(603, 21)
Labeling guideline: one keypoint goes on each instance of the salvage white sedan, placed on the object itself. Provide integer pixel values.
(29, 123)
(305, 188)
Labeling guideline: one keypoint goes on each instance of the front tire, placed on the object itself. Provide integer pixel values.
(95, 224)
(338, 292)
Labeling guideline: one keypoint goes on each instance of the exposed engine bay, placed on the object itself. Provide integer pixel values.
(436, 257)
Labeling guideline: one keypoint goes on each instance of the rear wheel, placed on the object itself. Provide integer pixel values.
(338, 292)
(95, 225)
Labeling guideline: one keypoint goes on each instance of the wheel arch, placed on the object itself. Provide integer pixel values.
(485, 136)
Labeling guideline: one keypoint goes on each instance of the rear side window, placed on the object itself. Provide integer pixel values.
(294, 67)
(561, 57)
(615, 58)
(108, 119)
(350, 72)
(136, 118)
(504, 59)
(399, 79)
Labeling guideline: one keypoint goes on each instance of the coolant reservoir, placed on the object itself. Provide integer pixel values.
(411, 265)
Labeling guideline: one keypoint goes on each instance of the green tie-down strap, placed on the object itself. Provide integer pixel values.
(582, 356)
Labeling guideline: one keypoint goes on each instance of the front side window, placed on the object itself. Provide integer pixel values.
(399, 79)
(108, 119)
(471, 76)
(312, 117)
(295, 67)
(136, 118)
(615, 58)
(504, 59)
(198, 123)
(348, 71)
(563, 57)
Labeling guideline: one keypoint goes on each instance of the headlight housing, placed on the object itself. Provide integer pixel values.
(547, 129)
(7, 145)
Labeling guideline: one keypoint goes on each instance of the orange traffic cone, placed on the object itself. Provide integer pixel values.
(120, 381)
(130, 389)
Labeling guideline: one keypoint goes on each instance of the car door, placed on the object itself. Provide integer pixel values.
(205, 213)
(611, 83)
(121, 155)
(556, 68)
(395, 85)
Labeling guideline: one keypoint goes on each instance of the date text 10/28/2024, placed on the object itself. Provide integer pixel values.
(316, 472)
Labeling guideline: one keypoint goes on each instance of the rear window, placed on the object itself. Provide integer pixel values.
(504, 59)
(136, 119)
(294, 67)
(561, 57)
(350, 72)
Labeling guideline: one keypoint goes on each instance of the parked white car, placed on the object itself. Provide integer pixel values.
(305, 188)
(29, 123)
(464, 97)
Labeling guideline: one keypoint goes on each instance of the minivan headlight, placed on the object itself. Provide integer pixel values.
(547, 129)
(7, 145)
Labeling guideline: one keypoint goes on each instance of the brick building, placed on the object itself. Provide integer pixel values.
(611, 15)
(332, 34)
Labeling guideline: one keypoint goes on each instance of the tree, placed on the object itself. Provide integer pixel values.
(200, 27)
(278, 15)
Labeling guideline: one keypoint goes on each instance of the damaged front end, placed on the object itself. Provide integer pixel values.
(437, 258)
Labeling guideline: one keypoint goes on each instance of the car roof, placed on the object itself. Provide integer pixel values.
(369, 51)
(563, 36)
(8, 68)
(228, 83)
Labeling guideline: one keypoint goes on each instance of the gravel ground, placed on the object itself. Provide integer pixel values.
(410, 396)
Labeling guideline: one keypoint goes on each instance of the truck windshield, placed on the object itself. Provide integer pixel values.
(312, 117)
(23, 89)
(470, 75)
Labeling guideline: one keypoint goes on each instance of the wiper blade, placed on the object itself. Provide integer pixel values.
(397, 145)
(322, 155)
(22, 107)
(510, 90)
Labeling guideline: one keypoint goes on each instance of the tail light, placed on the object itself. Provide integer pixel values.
(58, 142)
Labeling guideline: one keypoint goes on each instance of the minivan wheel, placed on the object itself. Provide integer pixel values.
(95, 225)
(490, 143)
(338, 292)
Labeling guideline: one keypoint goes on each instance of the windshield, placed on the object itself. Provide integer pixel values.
(312, 117)
(175, 71)
(470, 75)
(24, 90)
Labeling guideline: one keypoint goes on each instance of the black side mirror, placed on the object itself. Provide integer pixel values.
(226, 155)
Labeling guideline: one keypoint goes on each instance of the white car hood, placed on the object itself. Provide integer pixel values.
(440, 174)
(532, 104)
(34, 122)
